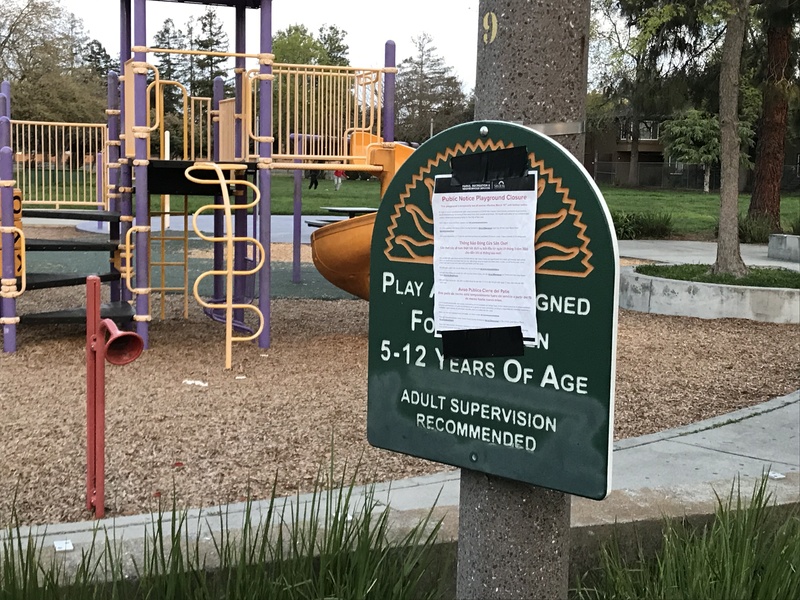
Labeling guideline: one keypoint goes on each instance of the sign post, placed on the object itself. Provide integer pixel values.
(507, 373)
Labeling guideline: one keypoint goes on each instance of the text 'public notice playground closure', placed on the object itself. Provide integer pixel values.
(483, 260)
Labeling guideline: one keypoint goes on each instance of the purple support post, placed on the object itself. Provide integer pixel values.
(124, 55)
(298, 210)
(124, 179)
(5, 89)
(3, 105)
(126, 209)
(239, 63)
(140, 172)
(112, 159)
(389, 86)
(219, 217)
(8, 271)
(264, 173)
(240, 216)
(5, 128)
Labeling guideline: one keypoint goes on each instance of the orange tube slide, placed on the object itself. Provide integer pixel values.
(341, 253)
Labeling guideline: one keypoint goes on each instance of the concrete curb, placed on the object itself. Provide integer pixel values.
(644, 293)
(712, 423)
(784, 247)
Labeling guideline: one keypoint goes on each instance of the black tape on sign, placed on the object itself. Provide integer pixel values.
(484, 167)
(483, 343)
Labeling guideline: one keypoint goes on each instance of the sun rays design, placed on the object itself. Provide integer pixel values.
(554, 258)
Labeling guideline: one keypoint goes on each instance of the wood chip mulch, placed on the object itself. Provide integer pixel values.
(276, 415)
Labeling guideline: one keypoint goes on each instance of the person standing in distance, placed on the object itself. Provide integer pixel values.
(338, 174)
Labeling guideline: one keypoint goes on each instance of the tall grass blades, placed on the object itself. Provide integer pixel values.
(642, 225)
(654, 225)
(624, 225)
(794, 226)
(753, 229)
(332, 545)
(750, 551)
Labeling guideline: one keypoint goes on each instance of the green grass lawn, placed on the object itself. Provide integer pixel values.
(352, 193)
(757, 276)
(694, 214)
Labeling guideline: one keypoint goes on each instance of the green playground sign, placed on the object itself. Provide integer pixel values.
(497, 351)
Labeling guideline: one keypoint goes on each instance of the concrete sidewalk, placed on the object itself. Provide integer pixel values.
(688, 252)
(283, 227)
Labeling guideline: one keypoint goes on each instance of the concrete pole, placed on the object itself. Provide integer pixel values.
(531, 69)
(532, 66)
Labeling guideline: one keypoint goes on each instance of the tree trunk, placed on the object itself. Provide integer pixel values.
(706, 178)
(770, 150)
(633, 168)
(729, 259)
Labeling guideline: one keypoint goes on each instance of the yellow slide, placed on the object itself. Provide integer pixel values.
(341, 250)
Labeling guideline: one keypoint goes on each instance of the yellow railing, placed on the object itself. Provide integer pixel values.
(56, 163)
(8, 288)
(316, 110)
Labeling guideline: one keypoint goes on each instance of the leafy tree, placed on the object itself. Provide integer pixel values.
(192, 74)
(41, 50)
(98, 60)
(297, 45)
(780, 19)
(693, 137)
(336, 50)
(429, 95)
(211, 37)
(638, 85)
(29, 30)
(172, 67)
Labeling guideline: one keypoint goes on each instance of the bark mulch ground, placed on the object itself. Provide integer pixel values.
(274, 418)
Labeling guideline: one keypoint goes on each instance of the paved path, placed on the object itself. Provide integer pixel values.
(754, 255)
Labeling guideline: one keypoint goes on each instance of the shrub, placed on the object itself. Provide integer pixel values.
(654, 225)
(646, 225)
(794, 226)
(749, 551)
(753, 229)
(625, 225)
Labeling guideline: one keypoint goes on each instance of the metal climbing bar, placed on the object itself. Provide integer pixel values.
(230, 303)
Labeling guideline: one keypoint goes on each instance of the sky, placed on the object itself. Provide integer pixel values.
(452, 24)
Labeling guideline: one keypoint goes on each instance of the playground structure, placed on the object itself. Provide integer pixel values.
(281, 116)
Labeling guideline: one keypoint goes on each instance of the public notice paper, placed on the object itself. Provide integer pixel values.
(483, 259)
